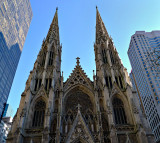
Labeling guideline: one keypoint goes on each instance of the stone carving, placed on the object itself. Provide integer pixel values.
(79, 130)
(78, 77)
(134, 108)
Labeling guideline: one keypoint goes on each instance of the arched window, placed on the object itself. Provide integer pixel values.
(101, 105)
(119, 113)
(39, 112)
(119, 81)
(108, 81)
(43, 58)
(105, 127)
(50, 62)
(112, 57)
(37, 84)
(104, 56)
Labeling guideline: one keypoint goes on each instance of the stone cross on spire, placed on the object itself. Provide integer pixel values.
(78, 61)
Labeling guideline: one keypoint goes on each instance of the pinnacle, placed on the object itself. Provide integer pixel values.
(78, 62)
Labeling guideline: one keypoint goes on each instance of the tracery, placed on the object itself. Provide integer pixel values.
(39, 112)
(119, 112)
(75, 99)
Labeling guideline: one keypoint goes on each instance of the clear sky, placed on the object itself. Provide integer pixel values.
(77, 20)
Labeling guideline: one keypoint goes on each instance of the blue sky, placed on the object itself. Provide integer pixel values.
(77, 20)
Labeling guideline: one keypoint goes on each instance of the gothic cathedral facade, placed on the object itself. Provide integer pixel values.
(79, 110)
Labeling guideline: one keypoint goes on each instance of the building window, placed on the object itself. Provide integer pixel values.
(108, 81)
(111, 56)
(116, 80)
(39, 112)
(50, 63)
(48, 84)
(119, 113)
(38, 83)
(121, 83)
(104, 56)
(43, 58)
(35, 88)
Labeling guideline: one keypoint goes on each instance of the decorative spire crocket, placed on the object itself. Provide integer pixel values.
(101, 32)
(53, 33)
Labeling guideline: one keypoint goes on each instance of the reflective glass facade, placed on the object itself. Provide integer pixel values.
(141, 54)
(15, 18)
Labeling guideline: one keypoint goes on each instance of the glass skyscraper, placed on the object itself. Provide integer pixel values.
(144, 50)
(15, 19)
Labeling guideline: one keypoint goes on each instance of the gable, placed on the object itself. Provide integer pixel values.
(79, 131)
(78, 76)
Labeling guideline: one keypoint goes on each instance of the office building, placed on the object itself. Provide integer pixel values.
(8, 111)
(5, 127)
(143, 53)
(15, 19)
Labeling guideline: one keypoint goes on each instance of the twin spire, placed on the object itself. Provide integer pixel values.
(101, 32)
(53, 33)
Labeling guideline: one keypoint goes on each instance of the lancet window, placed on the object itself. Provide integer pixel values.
(48, 83)
(119, 112)
(50, 62)
(108, 81)
(39, 112)
(105, 127)
(104, 56)
(111, 56)
(119, 81)
(53, 130)
(54, 125)
(101, 105)
(56, 106)
(37, 84)
(43, 58)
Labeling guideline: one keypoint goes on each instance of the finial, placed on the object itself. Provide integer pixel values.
(78, 61)
(93, 75)
(62, 81)
(96, 7)
(78, 106)
(56, 8)
(62, 74)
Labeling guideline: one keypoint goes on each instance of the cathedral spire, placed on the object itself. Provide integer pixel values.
(53, 33)
(101, 32)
